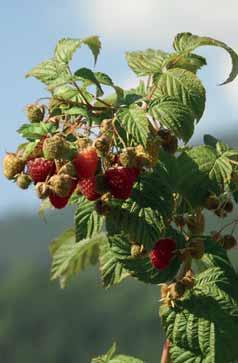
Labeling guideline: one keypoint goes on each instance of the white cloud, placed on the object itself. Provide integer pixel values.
(150, 20)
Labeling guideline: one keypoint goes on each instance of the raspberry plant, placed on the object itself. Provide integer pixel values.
(140, 191)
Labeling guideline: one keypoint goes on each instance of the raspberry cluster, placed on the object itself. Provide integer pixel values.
(67, 160)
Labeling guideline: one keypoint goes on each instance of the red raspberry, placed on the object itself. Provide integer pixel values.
(120, 181)
(86, 163)
(40, 168)
(88, 188)
(162, 253)
(61, 202)
(58, 202)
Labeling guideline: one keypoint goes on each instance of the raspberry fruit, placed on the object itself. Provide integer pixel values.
(86, 163)
(58, 202)
(162, 253)
(23, 181)
(228, 242)
(88, 188)
(102, 145)
(42, 190)
(212, 202)
(61, 185)
(56, 147)
(39, 169)
(120, 181)
(12, 165)
(35, 113)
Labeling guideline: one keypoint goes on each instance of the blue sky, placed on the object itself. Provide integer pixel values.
(29, 31)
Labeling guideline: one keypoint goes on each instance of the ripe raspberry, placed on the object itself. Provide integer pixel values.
(88, 188)
(120, 181)
(58, 202)
(61, 185)
(39, 169)
(35, 113)
(12, 165)
(23, 181)
(162, 253)
(86, 163)
(56, 147)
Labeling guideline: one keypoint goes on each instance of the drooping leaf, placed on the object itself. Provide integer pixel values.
(185, 86)
(86, 74)
(94, 44)
(187, 42)
(134, 120)
(87, 221)
(202, 170)
(147, 62)
(141, 267)
(112, 271)
(69, 258)
(175, 115)
(203, 325)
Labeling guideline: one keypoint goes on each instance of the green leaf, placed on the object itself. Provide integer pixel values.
(87, 221)
(203, 325)
(88, 75)
(174, 115)
(125, 359)
(185, 86)
(112, 271)
(65, 49)
(202, 170)
(94, 45)
(190, 62)
(141, 267)
(141, 224)
(50, 71)
(70, 258)
(145, 63)
(155, 190)
(37, 130)
(187, 42)
(104, 79)
(134, 120)
(110, 357)
(106, 357)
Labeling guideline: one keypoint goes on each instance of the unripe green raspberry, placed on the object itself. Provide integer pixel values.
(228, 242)
(35, 113)
(56, 147)
(102, 208)
(23, 181)
(102, 145)
(106, 126)
(42, 190)
(196, 223)
(68, 169)
(128, 157)
(212, 202)
(83, 143)
(12, 165)
(137, 250)
(61, 185)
